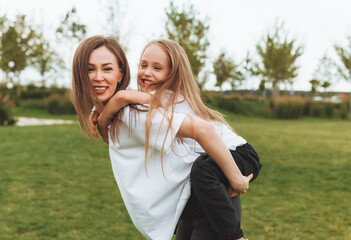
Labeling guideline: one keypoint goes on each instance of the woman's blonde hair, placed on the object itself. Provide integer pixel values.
(84, 97)
(180, 81)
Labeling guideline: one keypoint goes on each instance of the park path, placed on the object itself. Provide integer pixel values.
(26, 121)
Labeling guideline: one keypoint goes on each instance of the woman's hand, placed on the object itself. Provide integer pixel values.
(102, 124)
(92, 122)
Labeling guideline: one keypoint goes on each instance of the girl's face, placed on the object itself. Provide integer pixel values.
(104, 73)
(154, 66)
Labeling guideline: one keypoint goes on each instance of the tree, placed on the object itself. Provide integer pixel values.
(222, 68)
(226, 70)
(3, 20)
(325, 85)
(184, 27)
(115, 24)
(70, 32)
(344, 67)
(70, 27)
(47, 60)
(314, 85)
(325, 72)
(18, 46)
(278, 58)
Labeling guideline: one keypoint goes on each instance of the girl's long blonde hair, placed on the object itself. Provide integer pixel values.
(179, 81)
(84, 97)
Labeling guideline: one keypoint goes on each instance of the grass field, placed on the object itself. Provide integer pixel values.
(56, 184)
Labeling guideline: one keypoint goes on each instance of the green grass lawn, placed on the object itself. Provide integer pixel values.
(56, 184)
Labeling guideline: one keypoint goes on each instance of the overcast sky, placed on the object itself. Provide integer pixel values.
(235, 25)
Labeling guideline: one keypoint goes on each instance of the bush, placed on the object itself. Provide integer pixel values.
(316, 109)
(244, 107)
(6, 105)
(329, 109)
(287, 107)
(33, 92)
(322, 109)
(307, 108)
(60, 104)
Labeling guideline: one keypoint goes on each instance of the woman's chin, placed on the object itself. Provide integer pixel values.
(103, 99)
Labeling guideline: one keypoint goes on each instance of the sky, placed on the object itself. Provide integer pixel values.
(236, 26)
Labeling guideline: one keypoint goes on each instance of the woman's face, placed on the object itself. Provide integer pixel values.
(104, 73)
(154, 66)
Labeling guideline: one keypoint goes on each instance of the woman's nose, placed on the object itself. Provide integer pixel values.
(99, 76)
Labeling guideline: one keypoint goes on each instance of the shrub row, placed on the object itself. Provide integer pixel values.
(294, 107)
(60, 104)
(32, 92)
(283, 107)
(55, 104)
(239, 105)
(6, 106)
(287, 107)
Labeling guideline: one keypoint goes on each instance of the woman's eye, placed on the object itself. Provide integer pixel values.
(108, 69)
(90, 69)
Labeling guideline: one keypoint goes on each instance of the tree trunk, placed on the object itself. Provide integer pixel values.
(18, 92)
(275, 89)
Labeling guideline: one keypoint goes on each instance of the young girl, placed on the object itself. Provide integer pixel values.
(154, 191)
(164, 70)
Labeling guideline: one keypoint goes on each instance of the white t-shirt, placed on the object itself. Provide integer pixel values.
(154, 201)
(230, 138)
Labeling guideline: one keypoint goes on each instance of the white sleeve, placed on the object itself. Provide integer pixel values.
(159, 136)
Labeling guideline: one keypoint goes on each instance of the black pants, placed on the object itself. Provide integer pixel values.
(209, 213)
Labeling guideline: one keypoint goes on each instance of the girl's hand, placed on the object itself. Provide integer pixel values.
(242, 186)
(232, 193)
(92, 122)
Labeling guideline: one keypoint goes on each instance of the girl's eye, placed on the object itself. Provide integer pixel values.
(143, 65)
(158, 68)
(90, 70)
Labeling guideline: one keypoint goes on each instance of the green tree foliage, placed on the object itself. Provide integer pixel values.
(226, 70)
(344, 68)
(70, 32)
(115, 21)
(314, 85)
(3, 19)
(70, 27)
(278, 57)
(325, 72)
(18, 46)
(325, 85)
(47, 60)
(183, 26)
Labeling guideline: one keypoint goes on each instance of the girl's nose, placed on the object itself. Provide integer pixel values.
(147, 72)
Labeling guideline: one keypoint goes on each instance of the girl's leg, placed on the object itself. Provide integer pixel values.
(210, 185)
(184, 230)
(194, 225)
